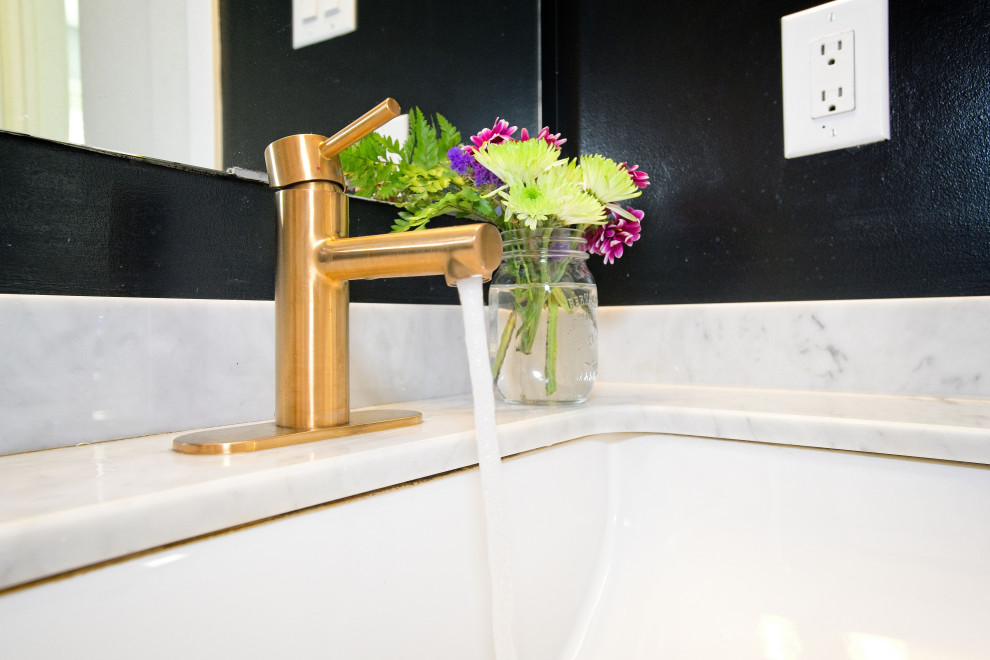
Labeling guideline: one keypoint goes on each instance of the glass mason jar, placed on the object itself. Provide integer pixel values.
(543, 318)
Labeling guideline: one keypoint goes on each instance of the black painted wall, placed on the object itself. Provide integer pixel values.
(77, 221)
(83, 222)
(691, 92)
(469, 61)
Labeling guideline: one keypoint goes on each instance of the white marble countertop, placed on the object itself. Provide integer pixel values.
(69, 508)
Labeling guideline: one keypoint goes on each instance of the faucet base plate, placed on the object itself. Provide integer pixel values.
(268, 435)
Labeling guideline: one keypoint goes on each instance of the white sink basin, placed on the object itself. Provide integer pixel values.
(624, 546)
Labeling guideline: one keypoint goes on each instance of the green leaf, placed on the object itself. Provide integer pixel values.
(415, 117)
(449, 136)
(421, 183)
(426, 151)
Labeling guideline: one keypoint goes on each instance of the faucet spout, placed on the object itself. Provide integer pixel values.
(455, 253)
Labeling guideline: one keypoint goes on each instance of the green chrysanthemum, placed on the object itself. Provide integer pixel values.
(607, 180)
(576, 206)
(531, 204)
(518, 163)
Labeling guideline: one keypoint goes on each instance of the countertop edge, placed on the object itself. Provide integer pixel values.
(78, 529)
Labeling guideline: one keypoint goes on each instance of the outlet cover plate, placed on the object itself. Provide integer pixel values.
(314, 21)
(869, 120)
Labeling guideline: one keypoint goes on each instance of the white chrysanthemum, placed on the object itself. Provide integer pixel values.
(607, 180)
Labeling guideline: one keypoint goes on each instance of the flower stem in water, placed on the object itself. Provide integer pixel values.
(503, 345)
(551, 368)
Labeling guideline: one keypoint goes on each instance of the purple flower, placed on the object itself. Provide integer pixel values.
(465, 164)
(459, 160)
(609, 239)
(497, 134)
(483, 176)
(641, 179)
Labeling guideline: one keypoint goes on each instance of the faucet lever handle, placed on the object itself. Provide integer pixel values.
(362, 126)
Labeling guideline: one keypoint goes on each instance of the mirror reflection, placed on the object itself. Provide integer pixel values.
(135, 76)
(147, 77)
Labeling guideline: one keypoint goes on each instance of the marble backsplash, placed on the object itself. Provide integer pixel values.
(918, 346)
(79, 369)
(88, 369)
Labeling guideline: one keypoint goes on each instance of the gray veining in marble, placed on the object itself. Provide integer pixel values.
(86, 369)
(927, 346)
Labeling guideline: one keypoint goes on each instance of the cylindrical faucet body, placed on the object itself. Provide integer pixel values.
(316, 259)
(311, 320)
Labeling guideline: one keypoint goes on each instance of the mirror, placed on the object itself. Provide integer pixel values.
(144, 76)
(135, 76)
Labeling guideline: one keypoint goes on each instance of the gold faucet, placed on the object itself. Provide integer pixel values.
(315, 261)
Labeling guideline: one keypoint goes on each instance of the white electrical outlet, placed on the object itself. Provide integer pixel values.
(314, 21)
(832, 76)
(835, 77)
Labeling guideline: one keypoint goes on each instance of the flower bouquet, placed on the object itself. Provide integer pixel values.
(553, 213)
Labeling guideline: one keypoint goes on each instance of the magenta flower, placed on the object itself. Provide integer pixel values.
(641, 179)
(609, 239)
(552, 140)
(497, 134)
